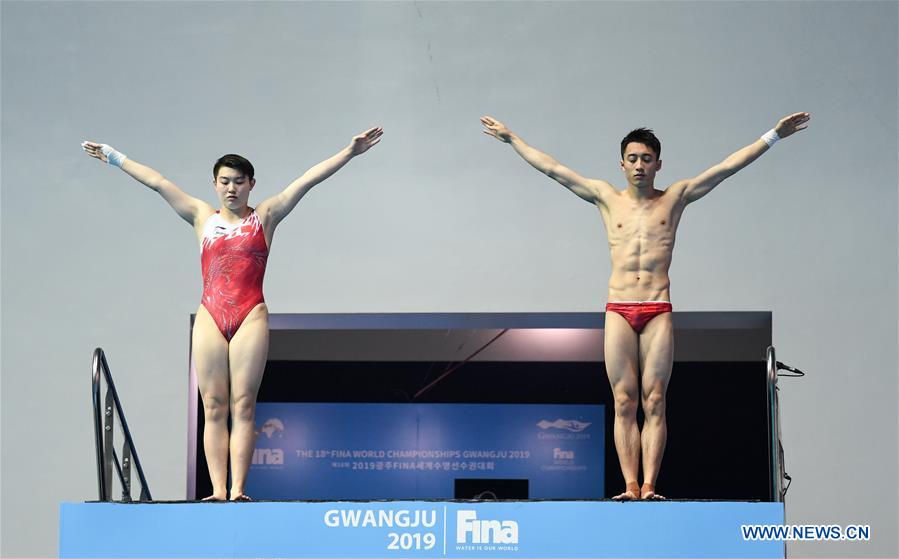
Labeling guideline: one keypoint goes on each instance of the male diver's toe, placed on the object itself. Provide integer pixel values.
(625, 496)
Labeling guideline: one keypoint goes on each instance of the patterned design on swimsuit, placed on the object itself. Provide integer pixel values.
(637, 314)
(233, 258)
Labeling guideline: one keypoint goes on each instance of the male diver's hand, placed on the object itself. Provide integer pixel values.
(789, 125)
(364, 141)
(496, 129)
(94, 150)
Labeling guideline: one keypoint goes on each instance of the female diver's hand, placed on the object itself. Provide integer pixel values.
(364, 141)
(94, 150)
(104, 153)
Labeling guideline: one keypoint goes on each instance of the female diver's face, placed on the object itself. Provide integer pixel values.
(233, 189)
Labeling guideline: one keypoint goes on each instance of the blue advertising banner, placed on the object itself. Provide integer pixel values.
(418, 451)
(547, 529)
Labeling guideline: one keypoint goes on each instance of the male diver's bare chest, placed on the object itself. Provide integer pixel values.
(648, 224)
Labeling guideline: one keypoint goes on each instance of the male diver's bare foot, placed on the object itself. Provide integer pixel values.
(626, 496)
(241, 497)
(215, 497)
(648, 493)
(631, 493)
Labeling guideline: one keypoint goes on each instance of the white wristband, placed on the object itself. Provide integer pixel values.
(114, 157)
(770, 137)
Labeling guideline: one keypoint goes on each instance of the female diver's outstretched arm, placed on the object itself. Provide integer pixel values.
(191, 210)
(276, 208)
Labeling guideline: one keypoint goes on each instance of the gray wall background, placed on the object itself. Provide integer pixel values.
(439, 217)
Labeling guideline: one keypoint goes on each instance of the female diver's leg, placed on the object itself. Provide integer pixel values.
(248, 353)
(210, 354)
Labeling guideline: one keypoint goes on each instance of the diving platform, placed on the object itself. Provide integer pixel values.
(388, 529)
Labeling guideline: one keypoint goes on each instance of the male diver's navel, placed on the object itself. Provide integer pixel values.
(619, 226)
(663, 222)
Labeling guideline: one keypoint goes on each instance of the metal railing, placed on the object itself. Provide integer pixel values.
(777, 472)
(104, 421)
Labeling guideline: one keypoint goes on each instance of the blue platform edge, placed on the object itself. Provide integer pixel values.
(378, 529)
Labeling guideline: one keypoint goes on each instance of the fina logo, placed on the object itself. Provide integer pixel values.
(572, 425)
(559, 454)
(273, 427)
(484, 531)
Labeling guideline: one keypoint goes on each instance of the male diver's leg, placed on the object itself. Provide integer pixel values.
(656, 358)
(210, 354)
(621, 356)
(248, 355)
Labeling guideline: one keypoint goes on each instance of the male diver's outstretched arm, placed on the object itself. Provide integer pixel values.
(190, 209)
(276, 208)
(697, 187)
(591, 190)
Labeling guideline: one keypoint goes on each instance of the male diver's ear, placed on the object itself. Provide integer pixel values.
(252, 183)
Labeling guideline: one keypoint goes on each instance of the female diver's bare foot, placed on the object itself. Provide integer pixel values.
(214, 497)
(631, 493)
(241, 497)
(648, 493)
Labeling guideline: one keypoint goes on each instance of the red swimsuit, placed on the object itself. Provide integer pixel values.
(233, 258)
(637, 314)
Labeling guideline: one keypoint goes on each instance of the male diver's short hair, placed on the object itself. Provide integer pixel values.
(234, 161)
(643, 136)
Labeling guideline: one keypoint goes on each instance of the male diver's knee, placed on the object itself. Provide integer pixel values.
(654, 403)
(625, 404)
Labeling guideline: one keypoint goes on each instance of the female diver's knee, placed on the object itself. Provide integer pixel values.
(215, 408)
(243, 407)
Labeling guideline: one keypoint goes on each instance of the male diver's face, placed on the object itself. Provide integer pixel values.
(640, 165)
(233, 188)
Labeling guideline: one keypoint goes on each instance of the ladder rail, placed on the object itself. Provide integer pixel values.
(103, 433)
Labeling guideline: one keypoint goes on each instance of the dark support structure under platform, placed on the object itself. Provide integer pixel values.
(719, 425)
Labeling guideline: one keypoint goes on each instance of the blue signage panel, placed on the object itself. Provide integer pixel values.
(551, 529)
(417, 451)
